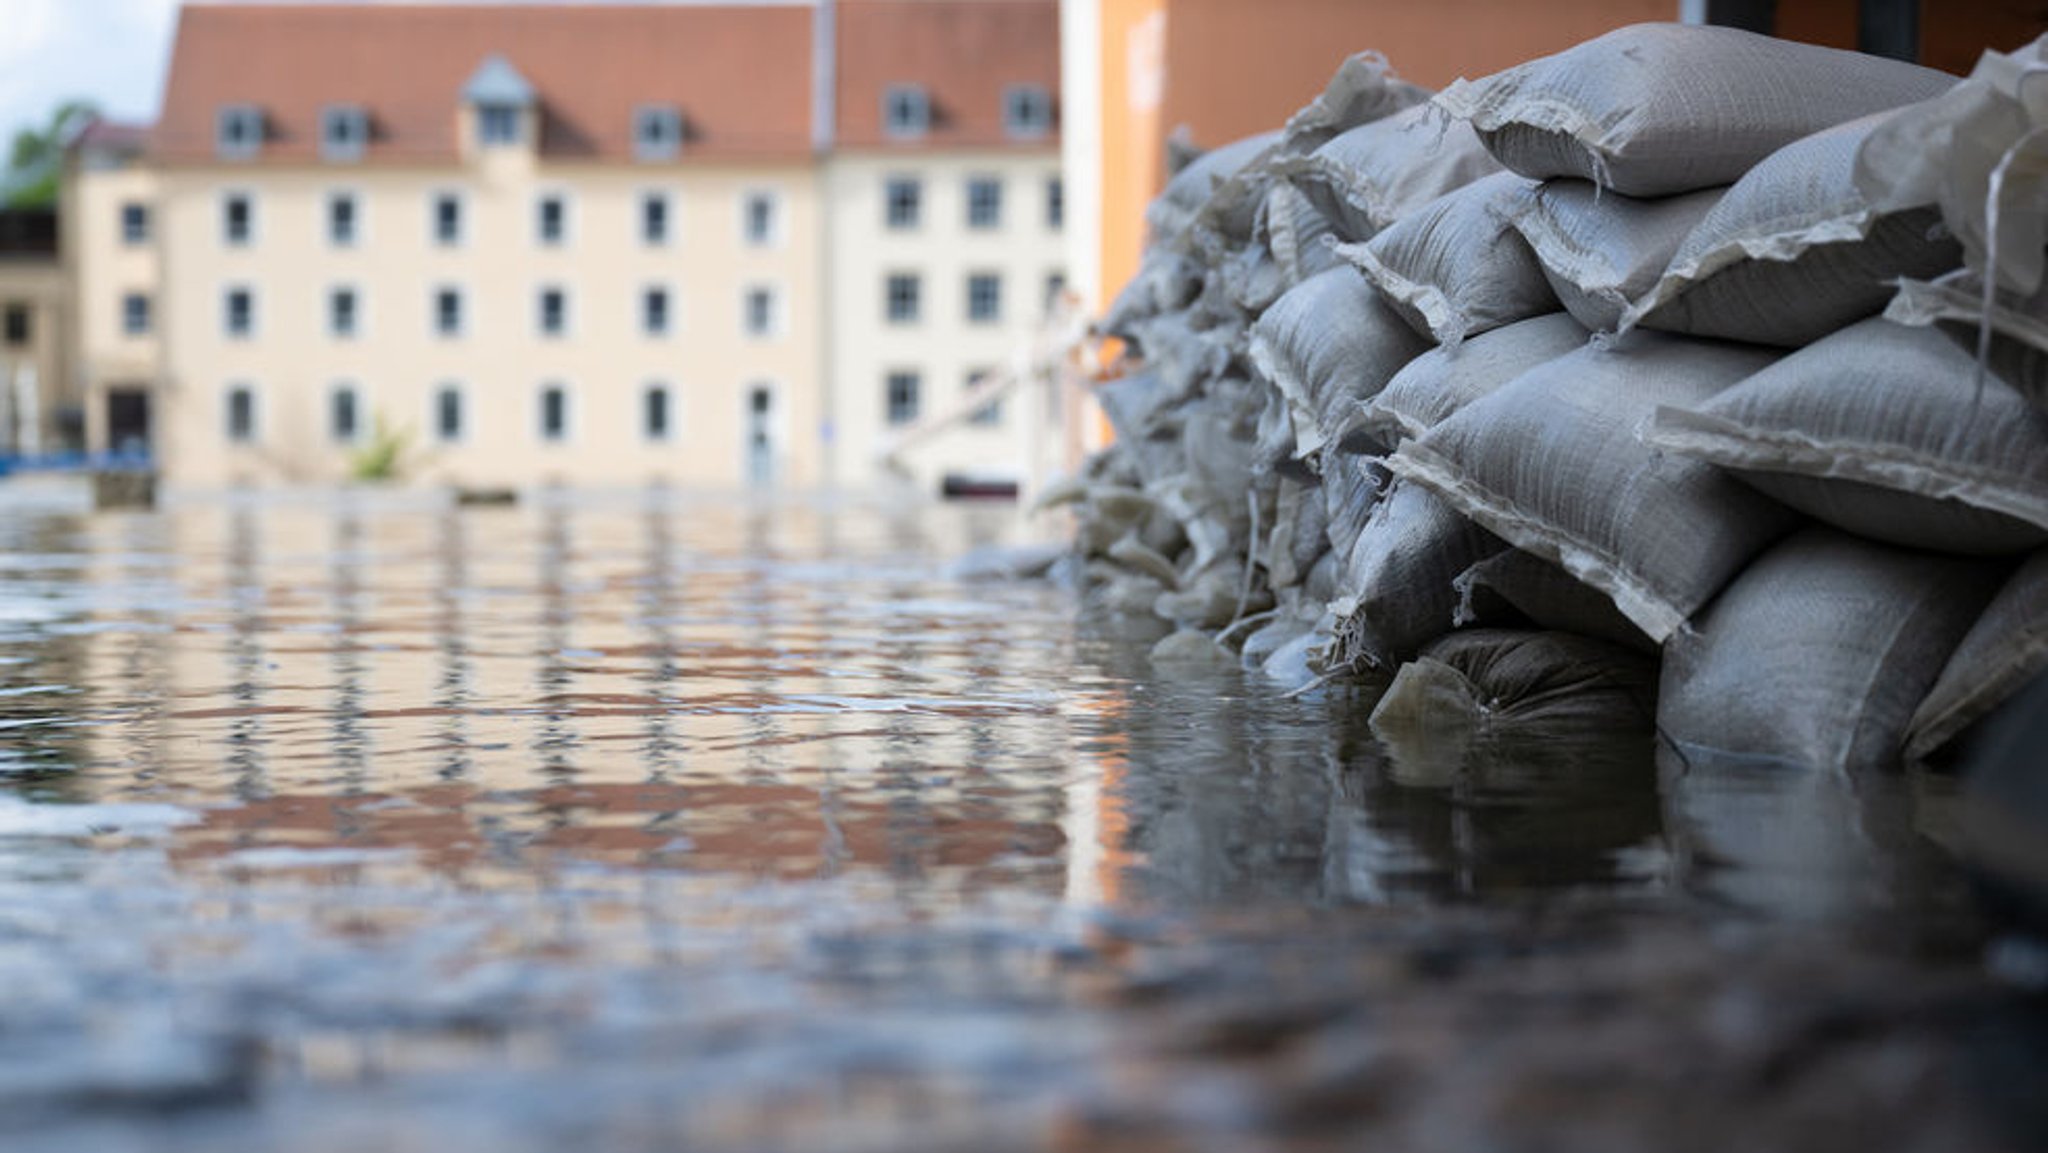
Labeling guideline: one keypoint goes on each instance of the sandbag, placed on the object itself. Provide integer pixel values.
(1658, 109)
(2016, 326)
(2003, 651)
(1502, 677)
(1882, 430)
(1299, 536)
(1175, 209)
(1395, 591)
(1374, 175)
(1520, 585)
(1794, 251)
(1328, 344)
(1600, 250)
(1443, 380)
(1352, 484)
(1293, 229)
(1455, 268)
(1816, 657)
(1554, 462)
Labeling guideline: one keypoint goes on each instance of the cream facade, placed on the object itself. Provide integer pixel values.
(115, 281)
(34, 372)
(894, 367)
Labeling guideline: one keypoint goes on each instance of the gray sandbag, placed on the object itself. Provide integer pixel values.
(1491, 678)
(1599, 249)
(1175, 209)
(1794, 251)
(1299, 537)
(1395, 590)
(1520, 585)
(2016, 326)
(1328, 344)
(1882, 430)
(1352, 484)
(1166, 281)
(1455, 268)
(1658, 109)
(1443, 380)
(1555, 462)
(2004, 650)
(1374, 175)
(1817, 656)
(1293, 229)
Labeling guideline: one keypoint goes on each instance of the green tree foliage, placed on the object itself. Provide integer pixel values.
(36, 160)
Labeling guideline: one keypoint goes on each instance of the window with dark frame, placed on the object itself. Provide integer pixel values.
(341, 313)
(554, 413)
(1027, 111)
(903, 200)
(239, 313)
(760, 311)
(759, 212)
(654, 317)
(900, 398)
(1055, 203)
(657, 132)
(447, 219)
(654, 218)
(448, 311)
(343, 420)
(984, 298)
(134, 223)
(906, 111)
(554, 311)
(448, 413)
(984, 202)
(903, 296)
(551, 224)
(238, 132)
(15, 326)
(344, 132)
(654, 412)
(341, 220)
(135, 314)
(241, 414)
(237, 219)
(497, 125)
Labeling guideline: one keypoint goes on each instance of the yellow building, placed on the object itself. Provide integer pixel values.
(37, 411)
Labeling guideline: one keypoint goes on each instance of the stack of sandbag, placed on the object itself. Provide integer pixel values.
(1593, 347)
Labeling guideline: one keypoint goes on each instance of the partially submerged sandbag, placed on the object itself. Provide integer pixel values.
(1517, 584)
(1374, 175)
(1816, 657)
(1443, 380)
(1657, 109)
(1554, 461)
(1794, 251)
(1455, 268)
(1882, 430)
(1599, 249)
(1395, 590)
(2005, 649)
(1328, 344)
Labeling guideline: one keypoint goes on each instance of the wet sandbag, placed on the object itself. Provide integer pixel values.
(1175, 209)
(1816, 657)
(1443, 380)
(1395, 590)
(1299, 537)
(1520, 585)
(1328, 344)
(2005, 649)
(1533, 681)
(1455, 268)
(1794, 251)
(1599, 249)
(1555, 462)
(1658, 109)
(1352, 485)
(1883, 431)
(1377, 174)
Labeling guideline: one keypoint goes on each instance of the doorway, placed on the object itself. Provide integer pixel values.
(128, 421)
(760, 433)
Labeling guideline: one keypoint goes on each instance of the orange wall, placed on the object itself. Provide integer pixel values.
(1133, 141)
(1953, 33)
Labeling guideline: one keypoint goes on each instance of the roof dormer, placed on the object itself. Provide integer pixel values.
(906, 112)
(502, 105)
(238, 132)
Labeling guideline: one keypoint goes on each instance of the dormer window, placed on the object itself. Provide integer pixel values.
(657, 132)
(238, 132)
(1027, 111)
(344, 132)
(906, 112)
(503, 100)
(497, 125)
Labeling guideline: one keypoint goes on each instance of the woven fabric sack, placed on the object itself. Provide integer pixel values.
(1443, 380)
(1794, 251)
(1658, 109)
(1517, 585)
(1374, 175)
(1326, 345)
(1555, 462)
(1601, 250)
(1395, 591)
(1455, 268)
(1299, 537)
(2016, 325)
(1352, 484)
(1817, 656)
(1485, 678)
(1293, 229)
(2003, 651)
(1882, 430)
(1175, 209)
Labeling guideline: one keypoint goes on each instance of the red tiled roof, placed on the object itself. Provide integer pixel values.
(741, 74)
(964, 53)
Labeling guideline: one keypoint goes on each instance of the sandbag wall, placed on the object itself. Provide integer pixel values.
(1603, 348)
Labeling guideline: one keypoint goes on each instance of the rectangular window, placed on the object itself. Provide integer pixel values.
(551, 224)
(984, 202)
(657, 132)
(341, 313)
(15, 327)
(448, 312)
(447, 223)
(984, 298)
(1055, 203)
(237, 218)
(554, 414)
(554, 312)
(238, 313)
(344, 132)
(344, 423)
(497, 124)
(654, 218)
(241, 414)
(654, 311)
(654, 412)
(135, 314)
(906, 111)
(900, 398)
(341, 219)
(760, 311)
(134, 223)
(989, 414)
(1055, 287)
(238, 132)
(758, 219)
(1027, 111)
(903, 197)
(903, 296)
(448, 413)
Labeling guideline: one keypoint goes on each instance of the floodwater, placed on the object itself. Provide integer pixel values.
(362, 822)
